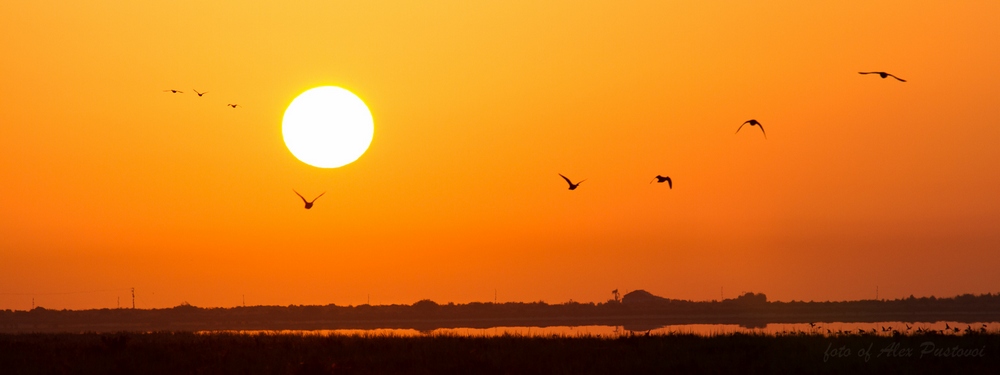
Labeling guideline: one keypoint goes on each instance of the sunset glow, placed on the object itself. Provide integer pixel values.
(860, 183)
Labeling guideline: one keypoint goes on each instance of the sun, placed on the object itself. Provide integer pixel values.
(327, 127)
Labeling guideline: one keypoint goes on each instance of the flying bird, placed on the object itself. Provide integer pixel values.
(660, 179)
(752, 122)
(572, 186)
(174, 91)
(883, 75)
(234, 105)
(200, 93)
(309, 204)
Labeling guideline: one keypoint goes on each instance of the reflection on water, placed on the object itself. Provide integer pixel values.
(828, 329)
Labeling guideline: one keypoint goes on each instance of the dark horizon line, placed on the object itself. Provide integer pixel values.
(638, 292)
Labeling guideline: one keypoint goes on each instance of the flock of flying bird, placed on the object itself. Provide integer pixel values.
(200, 94)
(752, 122)
(572, 186)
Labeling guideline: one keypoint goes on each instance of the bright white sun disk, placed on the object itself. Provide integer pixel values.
(327, 127)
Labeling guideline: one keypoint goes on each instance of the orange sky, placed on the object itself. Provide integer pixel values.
(109, 183)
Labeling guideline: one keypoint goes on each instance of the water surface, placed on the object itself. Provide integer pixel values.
(820, 328)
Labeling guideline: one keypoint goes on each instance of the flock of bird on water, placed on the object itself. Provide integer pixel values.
(889, 330)
(572, 186)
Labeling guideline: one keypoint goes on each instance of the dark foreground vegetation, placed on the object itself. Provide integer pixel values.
(637, 311)
(226, 353)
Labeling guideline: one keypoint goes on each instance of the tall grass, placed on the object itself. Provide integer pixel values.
(283, 353)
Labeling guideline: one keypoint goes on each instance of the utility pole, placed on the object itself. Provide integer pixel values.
(494, 296)
(133, 298)
(32, 303)
(119, 302)
(244, 300)
(369, 299)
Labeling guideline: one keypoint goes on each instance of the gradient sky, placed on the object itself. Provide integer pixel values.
(107, 182)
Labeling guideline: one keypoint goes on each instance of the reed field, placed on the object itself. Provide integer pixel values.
(296, 353)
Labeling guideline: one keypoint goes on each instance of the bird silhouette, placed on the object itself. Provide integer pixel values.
(200, 93)
(572, 186)
(883, 75)
(309, 204)
(174, 91)
(234, 105)
(660, 179)
(752, 122)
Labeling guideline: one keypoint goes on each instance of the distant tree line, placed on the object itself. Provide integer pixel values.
(637, 307)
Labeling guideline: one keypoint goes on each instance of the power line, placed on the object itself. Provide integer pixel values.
(56, 293)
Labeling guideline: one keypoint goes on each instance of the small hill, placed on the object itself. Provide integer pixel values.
(425, 304)
(640, 296)
(749, 298)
